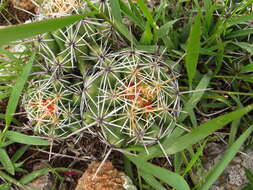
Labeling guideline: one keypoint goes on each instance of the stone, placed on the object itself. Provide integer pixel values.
(107, 178)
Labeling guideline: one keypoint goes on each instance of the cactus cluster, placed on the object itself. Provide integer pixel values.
(84, 83)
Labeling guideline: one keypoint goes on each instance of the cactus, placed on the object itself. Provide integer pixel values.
(131, 98)
(53, 96)
(51, 108)
(125, 97)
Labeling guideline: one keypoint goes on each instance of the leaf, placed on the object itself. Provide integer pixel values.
(147, 13)
(155, 151)
(33, 175)
(193, 49)
(151, 181)
(162, 174)
(224, 161)
(28, 30)
(19, 153)
(164, 29)
(233, 131)
(137, 20)
(195, 97)
(159, 11)
(249, 175)
(218, 98)
(4, 95)
(6, 162)
(128, 168)
(124, 31)
(177, 144)
(2, 116)
(147, 36)
(247, 68)
(208, 18)
(250, 187)
(6, 143)
(177, 162)
(240, 19)
(25, 139)
(194, 158)
(239, 33)
(115, 8)
(246, 46)
(5, 186)
(16, 91)
(204, 130)
(11, 180)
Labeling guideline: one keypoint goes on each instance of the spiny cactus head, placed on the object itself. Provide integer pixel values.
(136, 101)
(50, 109)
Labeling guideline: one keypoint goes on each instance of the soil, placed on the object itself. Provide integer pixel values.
(12, 15)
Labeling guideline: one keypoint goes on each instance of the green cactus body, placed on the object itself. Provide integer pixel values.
(49, 109)
(133, 89)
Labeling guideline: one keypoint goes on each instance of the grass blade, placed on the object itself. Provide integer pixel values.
(116, 11)
(16, 92)
(195, 98)
(193, 48)
(147, 36)
(152, 181)
(164, 29)
(246, 46)
(195, 158)
(224, 161)
(204, 130)
(33, 175)
(176, 144)
(128, 168)
(127, 11)
(25, 139)
(162, 174)
(239, 33)
(146, 11)
(28, 30)
(5, 186)
(6, 162)
(249, 175)
(19, 153)
(12, 180)
(241, 19)
(247, 68)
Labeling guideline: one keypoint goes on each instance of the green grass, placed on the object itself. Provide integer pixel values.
(208, 43)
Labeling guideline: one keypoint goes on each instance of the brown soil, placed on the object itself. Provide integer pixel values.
(3, 105)
(13, 13)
